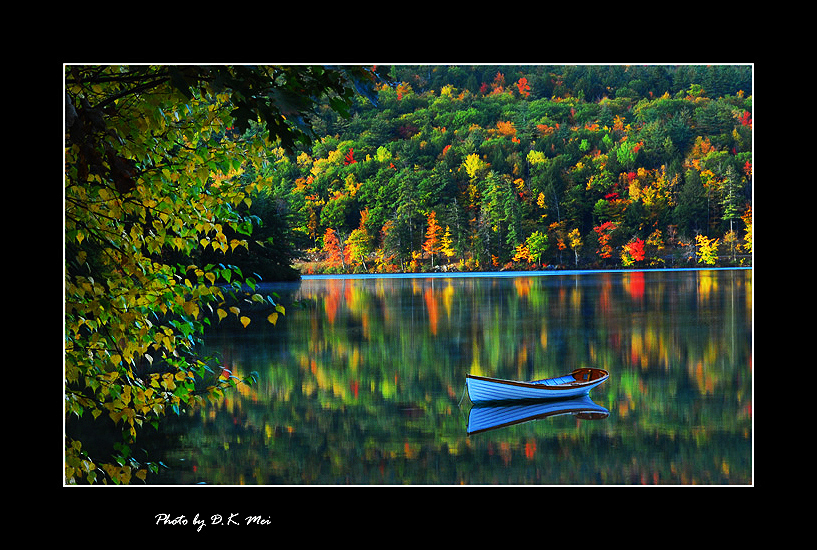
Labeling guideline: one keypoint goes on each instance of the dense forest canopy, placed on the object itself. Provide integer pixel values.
(484, 167)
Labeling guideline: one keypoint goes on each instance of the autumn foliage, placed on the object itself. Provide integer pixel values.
(332, 249)
(633, 252)
(600, 160)
(432, 245)
(605, 233)
(162, 168)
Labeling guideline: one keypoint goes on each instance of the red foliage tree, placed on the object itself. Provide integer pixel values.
(633, 252)
(604, 232)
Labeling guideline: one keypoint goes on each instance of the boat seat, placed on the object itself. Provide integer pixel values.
(556, 381)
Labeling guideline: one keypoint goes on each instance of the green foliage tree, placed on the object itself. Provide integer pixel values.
(690, 211)
(153, 163)
(537, 245)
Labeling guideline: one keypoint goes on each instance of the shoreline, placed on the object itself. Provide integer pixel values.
(509, 273)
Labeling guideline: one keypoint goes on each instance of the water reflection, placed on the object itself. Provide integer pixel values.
(361, 382)
(483, 418)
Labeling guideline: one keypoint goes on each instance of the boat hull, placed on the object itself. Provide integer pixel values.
(483, 389)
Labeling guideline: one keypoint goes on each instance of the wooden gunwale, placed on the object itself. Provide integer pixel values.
(538, 385)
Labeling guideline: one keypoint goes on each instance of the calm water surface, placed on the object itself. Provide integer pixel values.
(362, 382)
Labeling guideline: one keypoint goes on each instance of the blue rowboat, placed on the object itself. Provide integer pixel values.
(482, 389)
(490, 417)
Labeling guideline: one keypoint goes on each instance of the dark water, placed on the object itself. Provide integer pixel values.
(362, 382)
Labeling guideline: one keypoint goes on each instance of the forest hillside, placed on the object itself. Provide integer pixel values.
(522, 167)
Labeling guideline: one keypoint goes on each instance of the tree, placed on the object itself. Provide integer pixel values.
(731, 196)
(357, 246)
(447, 243)
(537, 245)
(747, 239)
(432, 244)
(627, 153)
(574, 240)
(473, 165)
(690, 212)
(332, 249)
(523, 87)
(359, 243)
(655, 245)
(632, 252)
(731, 205)
(604, 233)
(521, 253)
(153, 158)
(707, 249)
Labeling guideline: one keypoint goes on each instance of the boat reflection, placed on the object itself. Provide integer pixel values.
(483, 418)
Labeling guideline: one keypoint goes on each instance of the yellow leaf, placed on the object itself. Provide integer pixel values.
(221, 314)
(235, 310)
(244, 321)
(273, 318)
(191, 309)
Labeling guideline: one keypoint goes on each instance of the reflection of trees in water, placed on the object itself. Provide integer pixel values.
(361, 384)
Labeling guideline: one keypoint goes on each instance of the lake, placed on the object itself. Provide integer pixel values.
(363, 382)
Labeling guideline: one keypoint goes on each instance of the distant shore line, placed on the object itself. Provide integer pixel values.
(509, 273)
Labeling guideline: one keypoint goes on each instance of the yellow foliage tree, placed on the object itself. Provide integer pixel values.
(707, 249)
(747, 238)
(153, 178)
(574, 240)
(473, 165)
(139, 190)
(447, 243)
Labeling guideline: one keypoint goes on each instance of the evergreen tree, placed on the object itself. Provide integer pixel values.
(691, 211)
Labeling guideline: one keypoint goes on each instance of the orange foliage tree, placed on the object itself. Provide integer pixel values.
(523, 87)
(331, 247)
(432, 244)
